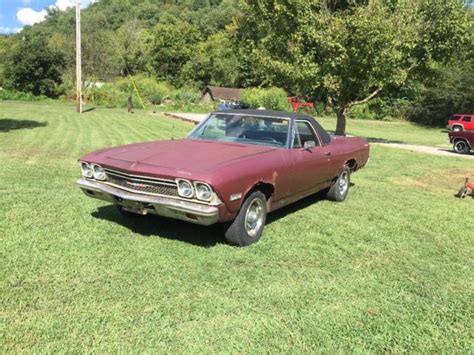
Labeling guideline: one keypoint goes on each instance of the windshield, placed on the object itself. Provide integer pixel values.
(244, 129)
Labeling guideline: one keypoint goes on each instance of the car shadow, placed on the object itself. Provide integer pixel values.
(9, 124)
(383, 140)
(375, 139)
(202, 236)
(298, 205)
(156, 226)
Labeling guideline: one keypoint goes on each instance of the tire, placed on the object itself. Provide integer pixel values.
(457, 128)
(339, 190)
(247, 227)
(460, 146)
(462, 192)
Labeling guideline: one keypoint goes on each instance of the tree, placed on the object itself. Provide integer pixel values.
(452, 91)
(33, 66)
(348, 55)
(135, 45)
(173, 46)
(6, 46)
(213, 62)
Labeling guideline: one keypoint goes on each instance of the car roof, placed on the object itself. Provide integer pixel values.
(269, 113)
(281, 114)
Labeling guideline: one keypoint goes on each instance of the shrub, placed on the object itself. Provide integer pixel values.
(106, 95)
(186, 95)
(271, 98)
(22, 96)
(151, 91)
(361, 112)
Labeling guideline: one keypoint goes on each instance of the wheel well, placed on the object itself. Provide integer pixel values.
(266, 188)
(462, 140)
(352, 164)
(458, 125)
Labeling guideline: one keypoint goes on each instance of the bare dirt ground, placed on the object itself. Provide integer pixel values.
(446, 152)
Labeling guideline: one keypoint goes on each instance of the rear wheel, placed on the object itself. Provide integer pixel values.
(247, 227)
(339, 190)
(460, 146)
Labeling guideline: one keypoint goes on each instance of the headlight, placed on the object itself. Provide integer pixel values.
(86, 170)
(203, 191)
(99, 173)
(185, 189)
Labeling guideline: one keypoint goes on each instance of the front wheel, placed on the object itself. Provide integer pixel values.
(339, 190)
(461, 147)
(247, 227)
(457, 128)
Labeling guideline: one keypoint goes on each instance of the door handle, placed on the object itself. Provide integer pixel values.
(327, 153)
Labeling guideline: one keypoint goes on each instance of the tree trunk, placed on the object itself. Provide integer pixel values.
(341, 121)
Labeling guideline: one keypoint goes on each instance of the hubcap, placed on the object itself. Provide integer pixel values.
(254, 217)
(460, 146)
(343, 182)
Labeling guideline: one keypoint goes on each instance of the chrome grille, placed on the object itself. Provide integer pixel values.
(142, 184)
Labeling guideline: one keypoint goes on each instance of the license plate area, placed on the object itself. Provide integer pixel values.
(133, 206)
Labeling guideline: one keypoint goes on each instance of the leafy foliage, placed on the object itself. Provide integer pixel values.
(34, 66)
(349, 56)
(213, 62)
(451, 92)
(271, 98)
(173, 45)
(339, 53)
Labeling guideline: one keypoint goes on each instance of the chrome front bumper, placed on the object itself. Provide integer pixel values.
(143, 204)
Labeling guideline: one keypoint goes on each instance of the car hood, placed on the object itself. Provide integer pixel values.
(177, 158)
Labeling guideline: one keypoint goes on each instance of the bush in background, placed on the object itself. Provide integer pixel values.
(105, 95)
(272, 98)
(151, 91)
(186, 95)
(22, 96)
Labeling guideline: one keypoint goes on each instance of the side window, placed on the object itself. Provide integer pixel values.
(304, 132)
(456, 118)
(467, 119)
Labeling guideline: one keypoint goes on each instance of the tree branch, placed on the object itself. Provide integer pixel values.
(411, 67)
(358, 102)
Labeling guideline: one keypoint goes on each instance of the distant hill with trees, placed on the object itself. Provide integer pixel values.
(362, 58)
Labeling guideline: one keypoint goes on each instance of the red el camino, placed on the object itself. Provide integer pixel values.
(233, 168)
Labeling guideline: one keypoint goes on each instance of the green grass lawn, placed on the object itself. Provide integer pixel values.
(391, 132)
(389, 270)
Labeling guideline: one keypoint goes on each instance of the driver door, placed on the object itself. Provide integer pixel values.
(310, 161)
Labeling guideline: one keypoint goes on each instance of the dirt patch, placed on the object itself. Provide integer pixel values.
(445, 152)
(449, 180)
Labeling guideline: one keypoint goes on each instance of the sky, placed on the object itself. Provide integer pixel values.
(14, 14)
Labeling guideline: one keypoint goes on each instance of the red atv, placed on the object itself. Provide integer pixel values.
(467, 189)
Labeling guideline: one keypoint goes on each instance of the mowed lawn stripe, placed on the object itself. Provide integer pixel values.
(390, 269)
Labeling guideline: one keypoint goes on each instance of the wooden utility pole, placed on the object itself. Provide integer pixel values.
(78, 58)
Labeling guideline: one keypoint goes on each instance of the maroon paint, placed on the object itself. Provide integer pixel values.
(236, 168)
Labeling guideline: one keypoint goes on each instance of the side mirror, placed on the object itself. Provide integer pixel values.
(308, 145)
